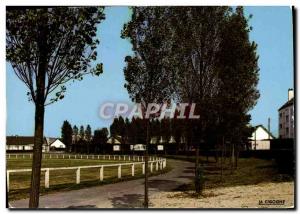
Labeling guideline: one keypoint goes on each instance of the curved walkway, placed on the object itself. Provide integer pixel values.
(127, 194)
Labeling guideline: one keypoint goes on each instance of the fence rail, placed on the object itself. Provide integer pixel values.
(160, 164)
(93, 157)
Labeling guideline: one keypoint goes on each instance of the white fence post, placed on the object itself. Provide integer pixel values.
(108, 157)
(129, 157)
(156, 167)
(119, 171)
(160, 165)
(47, 178)
(119, 157)
(132, 170)
(7, 180)
(78, 176)
(101, 173)
(114, 157)
(143, 168)
(124, 157)
(151, 166)
(8, 156)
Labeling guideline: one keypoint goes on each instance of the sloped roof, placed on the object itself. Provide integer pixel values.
(51, 140)
(266, 130)
(287, 104)
(21, 140)
(114, 139)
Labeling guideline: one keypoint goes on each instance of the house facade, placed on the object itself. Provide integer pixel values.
(286, 124)
(23, 144)
(260, 139)
(57, 145)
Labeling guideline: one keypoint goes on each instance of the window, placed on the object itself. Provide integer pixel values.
(287, 118)
(280, 115)
(280, 125)
(287, 131)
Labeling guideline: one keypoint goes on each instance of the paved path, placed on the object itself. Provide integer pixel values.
(128, 194)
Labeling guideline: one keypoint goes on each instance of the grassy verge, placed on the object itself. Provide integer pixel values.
(250, 171)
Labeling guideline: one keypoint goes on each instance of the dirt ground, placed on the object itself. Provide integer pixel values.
(262, 195)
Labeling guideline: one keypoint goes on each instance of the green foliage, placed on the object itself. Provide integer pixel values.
(195, 54)
(66, 134)
(62, 38)
(145, 73)
(88, 133)
(81, 132)
(100, 136)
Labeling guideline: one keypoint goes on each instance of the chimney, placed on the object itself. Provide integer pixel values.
(290, 94)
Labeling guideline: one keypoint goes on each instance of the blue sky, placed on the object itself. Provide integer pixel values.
(272, 30)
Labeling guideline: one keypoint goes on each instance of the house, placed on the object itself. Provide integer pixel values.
(286, 117)
(138, 147)
(115, 141)
(260, 139)
(23, 143)
(56, 144)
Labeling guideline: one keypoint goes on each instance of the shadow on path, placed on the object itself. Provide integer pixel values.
(82, 206)
(128, 201)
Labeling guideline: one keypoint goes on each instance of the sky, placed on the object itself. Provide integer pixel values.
(272, 31)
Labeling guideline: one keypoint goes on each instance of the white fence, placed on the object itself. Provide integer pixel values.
(93, 157)
(159, 163)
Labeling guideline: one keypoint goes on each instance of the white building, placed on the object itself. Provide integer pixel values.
(57, 145)
(286, 117)
(23, 143)
(260, 139)
(116, 142)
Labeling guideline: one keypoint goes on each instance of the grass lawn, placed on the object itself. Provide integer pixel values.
(66, 179)
(250, 171)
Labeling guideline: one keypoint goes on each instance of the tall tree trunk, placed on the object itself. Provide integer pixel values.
(232, 157)
(39, 118)
(222, 158)
(146, 199)
(197, 161)
(237, 151)
(37, 156)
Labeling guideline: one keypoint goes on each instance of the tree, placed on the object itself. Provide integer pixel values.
(48, 47)
(75, 139)
(66, 134)
(88, 137)
(88, 133)
(100, 138)
(238, 73)
(75, 133)
(146, 79)
(196, 35)
(82, 133)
